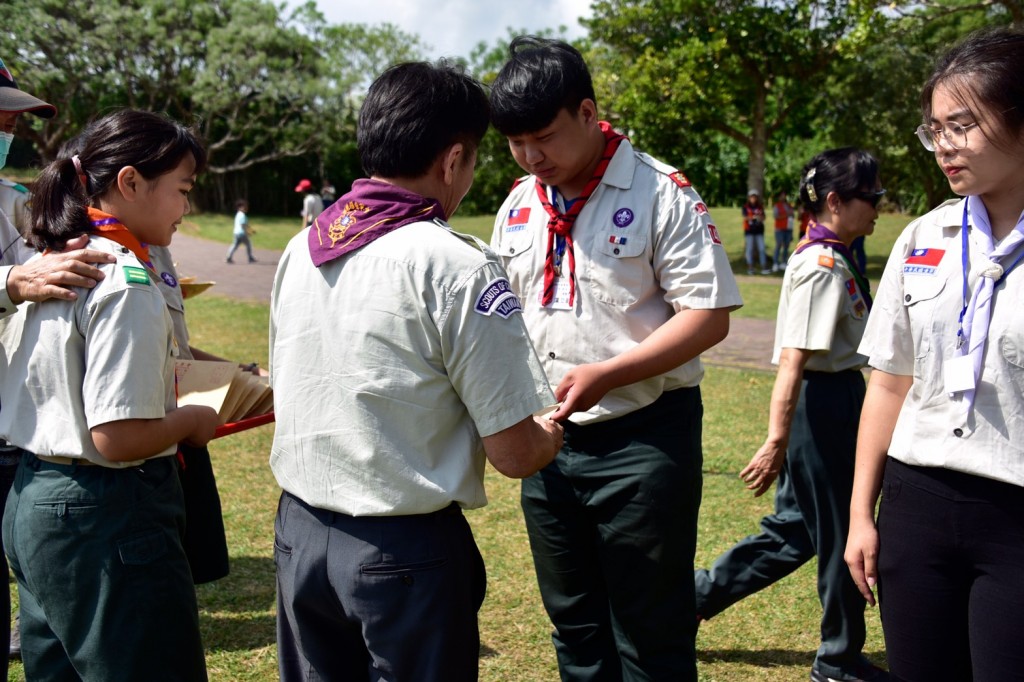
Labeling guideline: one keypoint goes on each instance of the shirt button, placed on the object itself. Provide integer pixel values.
(958, 432)
(511, 251)
(907, 298)
(616, 252)
(551, 355)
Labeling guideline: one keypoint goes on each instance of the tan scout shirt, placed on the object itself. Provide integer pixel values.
(645, 249)
(389, 364)
(71, 365)
(912, 331)
(821, 309)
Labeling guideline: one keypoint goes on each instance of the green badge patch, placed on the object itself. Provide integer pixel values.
(134, 275)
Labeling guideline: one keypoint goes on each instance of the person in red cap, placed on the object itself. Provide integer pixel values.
(312, 204)
(49, 277)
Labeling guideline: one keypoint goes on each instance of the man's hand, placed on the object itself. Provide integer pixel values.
(580, 389)
(55, 274)
(764, 468)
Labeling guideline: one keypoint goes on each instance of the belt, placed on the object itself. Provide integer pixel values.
(66, 461)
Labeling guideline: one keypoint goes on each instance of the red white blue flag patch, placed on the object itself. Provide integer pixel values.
(519, 216)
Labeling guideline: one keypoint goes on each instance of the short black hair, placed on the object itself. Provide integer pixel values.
(240, 204)
(413, 112)
(541, 77)
(984, 71)
(846, 171)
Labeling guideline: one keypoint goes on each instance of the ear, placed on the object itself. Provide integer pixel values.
(450, 162)
(588, 111)
(129, 183)
(833, 202)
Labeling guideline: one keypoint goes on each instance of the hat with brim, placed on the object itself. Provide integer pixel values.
(14, 100)
(304, 185)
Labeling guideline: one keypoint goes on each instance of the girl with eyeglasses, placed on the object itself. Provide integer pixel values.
(812, 425)
(942, 429)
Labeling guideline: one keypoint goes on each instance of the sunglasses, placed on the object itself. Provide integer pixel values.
(871, 197)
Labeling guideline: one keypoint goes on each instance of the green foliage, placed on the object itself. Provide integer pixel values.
(739, 69)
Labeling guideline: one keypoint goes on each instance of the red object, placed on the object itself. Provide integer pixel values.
(243, 425)
(925, 257)
(519, 216)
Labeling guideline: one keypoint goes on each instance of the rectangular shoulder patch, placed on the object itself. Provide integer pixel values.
(679, 179)
(498, 298)
(826, 261)
(134, 275)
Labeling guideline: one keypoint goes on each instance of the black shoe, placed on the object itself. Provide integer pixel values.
(865, 672)
(252, 260)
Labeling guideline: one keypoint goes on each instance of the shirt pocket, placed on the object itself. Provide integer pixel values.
(619, 271)
(1011, 342)
(930, 323)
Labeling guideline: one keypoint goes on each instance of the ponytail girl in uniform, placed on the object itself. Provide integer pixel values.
(93, 525)
(942, 430)
(812, 425)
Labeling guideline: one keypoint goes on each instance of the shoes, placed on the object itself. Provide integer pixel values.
(751, 271)
(229, 261)
(252, 260)
(14, 652)
(866, 672)
(766, 271)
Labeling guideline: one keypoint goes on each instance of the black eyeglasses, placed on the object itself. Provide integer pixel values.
(871, 197)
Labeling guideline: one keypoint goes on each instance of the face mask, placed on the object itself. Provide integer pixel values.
(5, 147)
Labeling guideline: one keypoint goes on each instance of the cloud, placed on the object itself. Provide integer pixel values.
(453, 28)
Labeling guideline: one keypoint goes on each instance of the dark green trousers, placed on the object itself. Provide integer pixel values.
(811, 518)
(613, 529)
(105, 588)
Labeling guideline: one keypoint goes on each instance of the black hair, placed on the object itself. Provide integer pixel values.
(240, 204)
(984, 71)
(151, 143)
(413, 112)
(847, 172)
(541, 77)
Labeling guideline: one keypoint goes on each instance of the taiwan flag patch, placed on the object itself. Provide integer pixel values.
(519, 216)
(925, 257)
(923, 261)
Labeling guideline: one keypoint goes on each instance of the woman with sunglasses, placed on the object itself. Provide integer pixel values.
(812, 425)
(942, 430)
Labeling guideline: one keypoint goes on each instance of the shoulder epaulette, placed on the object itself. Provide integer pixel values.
(518, 182)
(13, 185)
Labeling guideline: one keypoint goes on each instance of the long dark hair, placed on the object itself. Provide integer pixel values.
(151, 143)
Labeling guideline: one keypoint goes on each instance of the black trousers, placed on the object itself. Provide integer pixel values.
(951, 575)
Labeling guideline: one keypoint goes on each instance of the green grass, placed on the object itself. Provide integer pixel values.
(770, 636)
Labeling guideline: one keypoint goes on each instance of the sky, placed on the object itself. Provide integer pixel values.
(452, 28)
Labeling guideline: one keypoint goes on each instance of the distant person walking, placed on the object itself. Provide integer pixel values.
(242, 231)
(312, 204)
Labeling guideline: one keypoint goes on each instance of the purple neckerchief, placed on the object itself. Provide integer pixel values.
(819, 234)
(371, 210)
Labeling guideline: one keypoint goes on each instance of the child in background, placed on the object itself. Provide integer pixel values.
(93, 525)
(242, 231)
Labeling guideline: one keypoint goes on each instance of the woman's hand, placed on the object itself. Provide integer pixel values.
(862, 556)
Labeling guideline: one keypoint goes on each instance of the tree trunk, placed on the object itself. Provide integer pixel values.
(758, 143)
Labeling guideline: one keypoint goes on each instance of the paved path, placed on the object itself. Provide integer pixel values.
(748, 345)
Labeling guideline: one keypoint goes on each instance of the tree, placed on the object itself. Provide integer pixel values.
(740, 68)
